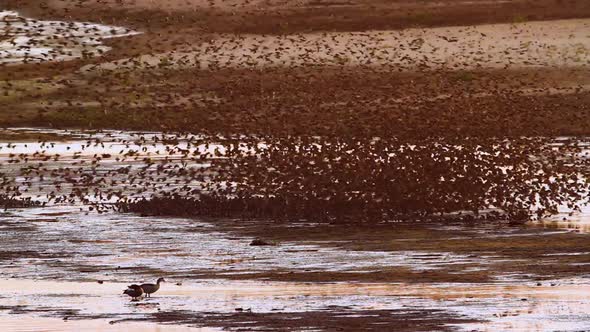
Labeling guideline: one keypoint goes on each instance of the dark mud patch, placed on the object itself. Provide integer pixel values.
(11, 226)
(84, 271)
(26, 254)
(43, 220)
(47, 311)
(378, 274)
(54, 214)
(331, 319)
(90, 241)
(53, 312)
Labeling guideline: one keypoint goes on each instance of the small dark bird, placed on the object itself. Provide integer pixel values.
(135, 291)
(152, 288)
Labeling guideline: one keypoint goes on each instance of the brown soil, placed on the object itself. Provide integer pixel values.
(12, 255)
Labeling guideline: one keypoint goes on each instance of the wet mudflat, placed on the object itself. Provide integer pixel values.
(215, 278)
(62, 265)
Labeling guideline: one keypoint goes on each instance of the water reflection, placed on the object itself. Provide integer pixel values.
(578, 221)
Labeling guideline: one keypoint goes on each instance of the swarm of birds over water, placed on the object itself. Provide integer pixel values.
(314, 178)
(293, 121)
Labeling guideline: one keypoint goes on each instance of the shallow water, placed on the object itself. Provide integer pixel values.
(578, 222)
(111, 250)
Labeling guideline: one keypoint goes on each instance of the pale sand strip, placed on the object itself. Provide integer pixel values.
(562, 43)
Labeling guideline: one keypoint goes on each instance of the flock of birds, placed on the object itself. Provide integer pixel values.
(316, 178)
(316, 125)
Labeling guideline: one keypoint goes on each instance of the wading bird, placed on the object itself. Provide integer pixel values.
(135, 291)
(152, 288)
